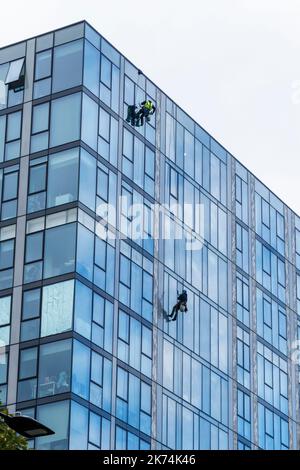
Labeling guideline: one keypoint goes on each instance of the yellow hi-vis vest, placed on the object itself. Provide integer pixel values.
(148, 105)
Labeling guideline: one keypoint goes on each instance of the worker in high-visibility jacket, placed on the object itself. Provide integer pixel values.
(146, 110)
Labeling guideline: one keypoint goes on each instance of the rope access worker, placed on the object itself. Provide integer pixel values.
(146, 110)
(136, 116)
(180, 305)
(132, 114)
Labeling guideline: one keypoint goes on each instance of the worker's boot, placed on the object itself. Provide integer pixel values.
(135, 121)
(130, 113)
(175, 316)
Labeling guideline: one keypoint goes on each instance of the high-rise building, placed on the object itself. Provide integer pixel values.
(85, 289)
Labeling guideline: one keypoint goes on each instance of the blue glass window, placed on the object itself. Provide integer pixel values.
(242, 250)
(60, 259)
(5, 315)
(270, 270)
(272, 378)
(92, 35)
(79, 426)
(57, 308)
(67, 65)
(13, 129)
(40, 126)
(104, 269)
(87, 185)
(270, 223)
(56, 415)
(3, 377)
(65, 119)
(34, 247)
(105, 71)
(99, 433)
(31, 304)
(244, 416)
(81, 370)
(243, 357)
(109, 83)
(102, 184)
(131, 406)
(108, 137)
(243, 307)
(273, 430)
(102, 327)
(170, 137)
(2, 136)
(37, 180)
(42, 88)
(189, 153)
(100, 386)
(134, 343)
(30, 326)
(40, 118)
(140, 298)
(10, 186)
(85, 252)
(37, 185)
(3, 89)
(89, 122)
(54, 368)
(27, 370)
(138, 162)
(43, 64)
(83, 310)
(91, 68)
(63, 177)
(13, 135)
(6, 254)
(297, 236)
(128, 440)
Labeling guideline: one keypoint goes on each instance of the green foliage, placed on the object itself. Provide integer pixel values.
(9, 439)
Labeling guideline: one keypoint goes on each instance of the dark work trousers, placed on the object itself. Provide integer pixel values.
(176, 309)
(142, 114)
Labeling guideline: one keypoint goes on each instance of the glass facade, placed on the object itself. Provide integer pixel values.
(85, 343)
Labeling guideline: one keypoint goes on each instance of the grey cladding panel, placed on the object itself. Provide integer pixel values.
(69, 34)
(44, 42)
(12, 53)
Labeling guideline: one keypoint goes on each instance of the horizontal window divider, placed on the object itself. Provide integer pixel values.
(272, 408)
(49, 281)
(14, 161)
(272, 348)
(138, 188)
(133, 430)
(7, 223)
(51, 210)
(12, 109)
(139, 136)
(44, 400)
(45, 339)
(136, 316)
(92, 346)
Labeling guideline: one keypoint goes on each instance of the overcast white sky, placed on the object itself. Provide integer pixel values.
(233, 65)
